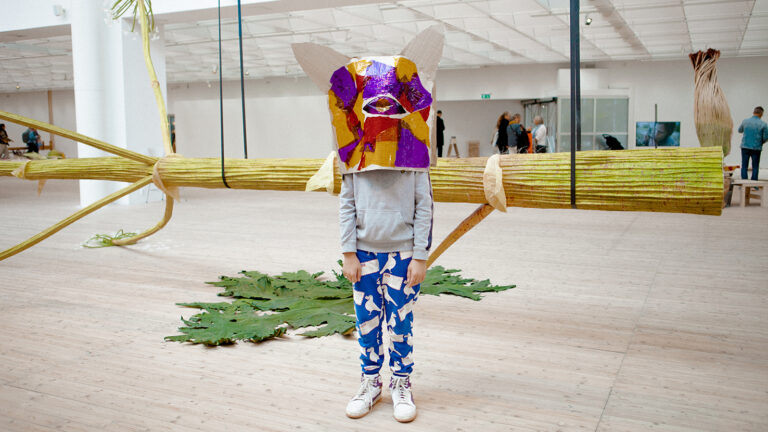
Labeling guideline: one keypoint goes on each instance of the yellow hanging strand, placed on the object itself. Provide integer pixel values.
(166, 129)
(163, 123)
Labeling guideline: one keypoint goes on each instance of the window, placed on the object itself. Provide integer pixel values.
(599, 116)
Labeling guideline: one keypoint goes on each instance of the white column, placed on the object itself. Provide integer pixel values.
(113, 97)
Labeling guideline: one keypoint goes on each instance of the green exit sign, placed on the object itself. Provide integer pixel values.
(485, 96)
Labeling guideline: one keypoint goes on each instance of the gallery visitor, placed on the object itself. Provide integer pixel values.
(440, 129)
(4, 141)
(539, 134)
(32, 139)
(518, 136)
(755, 135)
(502, 138)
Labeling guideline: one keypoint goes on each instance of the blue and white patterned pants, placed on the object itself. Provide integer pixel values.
(381, 294)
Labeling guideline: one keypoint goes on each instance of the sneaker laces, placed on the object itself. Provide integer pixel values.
(366, 387)
(400, 388)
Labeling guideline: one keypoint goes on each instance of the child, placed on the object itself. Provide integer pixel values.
(382, 118)
(386, 231)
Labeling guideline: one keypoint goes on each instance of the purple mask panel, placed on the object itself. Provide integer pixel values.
(410, 151)
(343, 85)
(416, 94)
(381, 79)
(346, 151)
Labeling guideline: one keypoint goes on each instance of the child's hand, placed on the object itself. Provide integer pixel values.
(417, 269)
(351, 267)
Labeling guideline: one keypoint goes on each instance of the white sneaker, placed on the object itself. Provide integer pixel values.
(366, 397)
(402, 400)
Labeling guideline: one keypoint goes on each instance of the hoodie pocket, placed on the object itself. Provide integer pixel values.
(383, 226)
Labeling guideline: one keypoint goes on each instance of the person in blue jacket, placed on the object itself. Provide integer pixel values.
(755, 135)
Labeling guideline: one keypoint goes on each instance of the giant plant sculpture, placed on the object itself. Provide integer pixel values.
(714, 124)
(686, 180)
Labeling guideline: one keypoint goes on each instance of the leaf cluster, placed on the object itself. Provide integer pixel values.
(105, 240)
(120, 7)
(265, 307)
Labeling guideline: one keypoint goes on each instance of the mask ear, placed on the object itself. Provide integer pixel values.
(319, 62)
(425, 50)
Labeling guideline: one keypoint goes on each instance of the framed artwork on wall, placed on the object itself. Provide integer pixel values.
(657, 134)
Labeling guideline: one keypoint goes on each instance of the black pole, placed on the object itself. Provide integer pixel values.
(221, 104)
(575, 95)
(242, 77)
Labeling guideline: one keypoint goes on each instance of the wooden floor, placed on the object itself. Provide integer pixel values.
(620, 322)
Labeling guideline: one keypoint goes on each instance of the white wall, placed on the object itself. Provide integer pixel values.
(35, 105)
(286, 118)
(502, 82)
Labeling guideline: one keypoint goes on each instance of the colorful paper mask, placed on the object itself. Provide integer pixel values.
(380, 106)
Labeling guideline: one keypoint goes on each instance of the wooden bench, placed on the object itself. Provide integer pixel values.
(750, 189)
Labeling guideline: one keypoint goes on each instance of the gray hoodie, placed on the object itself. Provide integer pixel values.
(386, 211)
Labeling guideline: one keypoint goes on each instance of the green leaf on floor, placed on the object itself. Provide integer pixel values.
(265, 307)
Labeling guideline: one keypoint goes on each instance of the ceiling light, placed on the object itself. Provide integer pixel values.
(588, 20)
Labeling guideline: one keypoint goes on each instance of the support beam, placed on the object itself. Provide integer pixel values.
(575, 95)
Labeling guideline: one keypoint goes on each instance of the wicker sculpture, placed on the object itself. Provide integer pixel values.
(711, 113)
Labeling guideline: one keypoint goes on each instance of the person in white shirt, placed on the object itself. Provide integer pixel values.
(539, 134)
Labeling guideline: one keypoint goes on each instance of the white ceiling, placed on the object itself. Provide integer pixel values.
(478, 33)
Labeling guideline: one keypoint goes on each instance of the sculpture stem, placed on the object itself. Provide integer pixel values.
(74, 136)
(163, 125)
(73, 218)
(166, 217)
(467, 224)
(166, 130)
